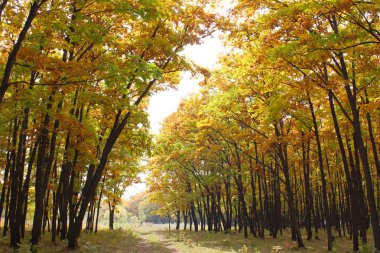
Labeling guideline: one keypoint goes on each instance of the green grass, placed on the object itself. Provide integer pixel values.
(105, 241)
(204, 241)
(211, 242)
(158, 239)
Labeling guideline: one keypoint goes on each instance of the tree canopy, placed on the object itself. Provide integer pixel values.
(284, 134)
(74, 80)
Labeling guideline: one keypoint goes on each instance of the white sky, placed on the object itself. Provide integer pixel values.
(166, 102)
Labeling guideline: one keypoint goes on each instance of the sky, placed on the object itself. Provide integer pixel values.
(166, 102)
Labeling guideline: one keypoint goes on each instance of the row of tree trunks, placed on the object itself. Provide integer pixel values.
(324, 209)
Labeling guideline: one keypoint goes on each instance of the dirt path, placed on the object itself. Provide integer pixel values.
(152, 242)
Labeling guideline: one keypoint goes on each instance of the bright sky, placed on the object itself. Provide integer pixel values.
(166, 102)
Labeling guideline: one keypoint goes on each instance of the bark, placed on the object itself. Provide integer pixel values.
(5, 183)
(111, 216)
(44, 167)
(178, 219)
(13, 54)
(351, 93)
(98, 208)
(14, 188)
(372, 138)
(6, 215)
(2, 7)
(25, 189)
(283, 156)
(308, 198)
(323, 178)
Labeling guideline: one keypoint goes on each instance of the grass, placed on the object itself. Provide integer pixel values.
(211, 242)
(158, 239)
(220, 242)
(105, 241)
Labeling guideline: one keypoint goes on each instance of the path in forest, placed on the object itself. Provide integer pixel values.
(152, 242)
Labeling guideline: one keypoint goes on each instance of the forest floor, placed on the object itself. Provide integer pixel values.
(158, 239)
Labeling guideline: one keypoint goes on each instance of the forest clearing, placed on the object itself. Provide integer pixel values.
(152, 238)
(254, 124)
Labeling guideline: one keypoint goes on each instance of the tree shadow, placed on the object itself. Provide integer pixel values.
(213, 240)
(146, 245)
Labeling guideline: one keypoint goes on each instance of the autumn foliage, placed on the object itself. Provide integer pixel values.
(75, 76)
(285, 134)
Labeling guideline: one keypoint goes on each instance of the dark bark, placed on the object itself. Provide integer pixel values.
(178, 220)
(42, 175)
(2, 7)
(283, 156)
(14, 188)
(372, 138)
(323, 178)
(351, 93)
(25, 189)
(6, 214)
(5, 182)
(308, 197)
(111, 210)
(13, 54)
(98, 208)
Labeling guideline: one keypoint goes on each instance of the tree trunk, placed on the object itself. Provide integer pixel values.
(13, 54)
(323, 178)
